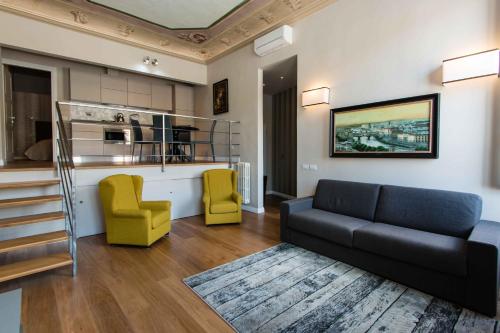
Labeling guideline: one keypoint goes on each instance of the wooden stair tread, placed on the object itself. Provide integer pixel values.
(28, 219)
(32, 266)
(30, 241)
(29, 200)
(32, 183)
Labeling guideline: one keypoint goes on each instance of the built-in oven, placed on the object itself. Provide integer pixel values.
(113, 135)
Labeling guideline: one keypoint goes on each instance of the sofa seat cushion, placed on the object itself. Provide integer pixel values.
(330, 226)
(158, 217)
(224, 206)
(441, 253)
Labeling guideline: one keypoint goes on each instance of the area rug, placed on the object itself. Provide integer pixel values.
(289, 289)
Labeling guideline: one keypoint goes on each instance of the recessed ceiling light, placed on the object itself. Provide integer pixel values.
(282, 77)
(146, 60)
(155, 62)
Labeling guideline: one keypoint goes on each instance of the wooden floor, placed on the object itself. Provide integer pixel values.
(132, 289)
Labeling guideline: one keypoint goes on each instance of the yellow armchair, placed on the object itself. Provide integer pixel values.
(129, 220)
(220, 197)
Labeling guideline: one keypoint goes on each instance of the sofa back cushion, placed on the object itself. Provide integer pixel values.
(347, 198)
(442, 212)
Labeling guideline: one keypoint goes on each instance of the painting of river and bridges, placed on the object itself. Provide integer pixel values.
(400, 128)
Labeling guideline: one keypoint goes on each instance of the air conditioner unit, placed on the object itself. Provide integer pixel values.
(273, 41)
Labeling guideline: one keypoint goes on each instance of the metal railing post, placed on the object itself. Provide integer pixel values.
(163, 143)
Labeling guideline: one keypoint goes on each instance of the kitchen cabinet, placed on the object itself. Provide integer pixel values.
(139, 93)
(85, 86)
(161, 97)
(139, 100)
(184, 98)
(87, 139)
(116, 149)
(110, 96)
(114, 89)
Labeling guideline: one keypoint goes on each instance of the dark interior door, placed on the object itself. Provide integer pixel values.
(285, 142)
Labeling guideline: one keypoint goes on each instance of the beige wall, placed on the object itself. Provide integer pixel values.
(25, 33)
(368, 51)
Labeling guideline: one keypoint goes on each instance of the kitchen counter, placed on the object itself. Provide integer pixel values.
(100, 122)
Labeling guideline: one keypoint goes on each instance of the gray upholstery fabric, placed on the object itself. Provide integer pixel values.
(347, 198)
(438, 252)
(483, 248)
(289, 207)
(442, 212)
(333, 227)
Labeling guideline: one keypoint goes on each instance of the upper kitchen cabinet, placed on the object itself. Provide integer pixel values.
(161, 96)
(113, 89)
(139, 93)
(184, 99)
(85, 86)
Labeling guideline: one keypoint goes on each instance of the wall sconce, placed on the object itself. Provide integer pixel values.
(471, 66)
(316, 96)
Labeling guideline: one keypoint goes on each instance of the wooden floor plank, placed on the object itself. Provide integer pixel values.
(137, 289)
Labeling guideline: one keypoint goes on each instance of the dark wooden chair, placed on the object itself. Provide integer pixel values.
(210, 142)
(139, 138)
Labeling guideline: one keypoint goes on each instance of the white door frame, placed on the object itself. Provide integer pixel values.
(53, 96)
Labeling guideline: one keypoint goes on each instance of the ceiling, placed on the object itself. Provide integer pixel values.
(175, 14)
(280, 77)
(197, 30)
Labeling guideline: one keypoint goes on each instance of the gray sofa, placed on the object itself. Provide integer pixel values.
(430, 240)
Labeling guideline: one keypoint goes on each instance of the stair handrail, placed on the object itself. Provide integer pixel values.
(66, 171)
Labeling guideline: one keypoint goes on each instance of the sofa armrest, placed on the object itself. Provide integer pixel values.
(155, 205)
(132, 213)
(483, 247)
(290, 207)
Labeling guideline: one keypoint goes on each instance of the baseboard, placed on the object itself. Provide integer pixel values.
(282, 195)
(253, 209)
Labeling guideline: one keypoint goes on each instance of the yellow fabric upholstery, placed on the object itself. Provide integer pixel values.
(129, 220)
(220, 196)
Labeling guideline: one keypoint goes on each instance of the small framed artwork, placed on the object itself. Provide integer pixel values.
(220, 97)
(400, 128)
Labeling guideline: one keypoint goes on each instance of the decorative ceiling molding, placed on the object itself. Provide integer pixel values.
(242, 26)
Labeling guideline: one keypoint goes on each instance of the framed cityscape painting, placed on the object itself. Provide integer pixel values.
(220, 97)
(401, 128)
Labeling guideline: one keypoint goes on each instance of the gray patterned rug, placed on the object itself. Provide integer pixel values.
(289, 289)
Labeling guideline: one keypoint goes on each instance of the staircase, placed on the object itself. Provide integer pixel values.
(31, 216)
(37, 209)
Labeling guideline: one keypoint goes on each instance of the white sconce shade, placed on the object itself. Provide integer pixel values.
(471, 66)
(316, 96)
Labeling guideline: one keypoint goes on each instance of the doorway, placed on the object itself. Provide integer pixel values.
(280, 130)
(28, 114)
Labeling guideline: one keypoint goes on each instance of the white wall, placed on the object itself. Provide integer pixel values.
(29, 34)
(368, 51)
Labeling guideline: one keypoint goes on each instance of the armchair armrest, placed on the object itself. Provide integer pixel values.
(483, 248)
(206, 199)
(290, 207)
(237, 198)
(155, 205)
(132, 213)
